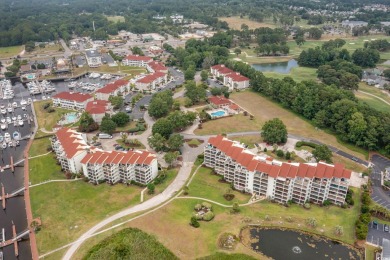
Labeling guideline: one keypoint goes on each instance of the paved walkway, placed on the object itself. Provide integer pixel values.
(39, 155)
(49, 181)
(215, 202)
(372, 95)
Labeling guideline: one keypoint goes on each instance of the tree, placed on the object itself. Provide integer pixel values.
(237, 51)
(189, 74)
(365, 57)
(312, 222)
(137, 51)
(171, 157)
(87, 124)
(29, 46)
(175, 142)
(151, 188)
(160, 104)
(107, 126)
(386, 73)
(194, 222)
(300, 40)
(195, 93)
(157, 141)
(315, 33)
(204, 75)
(236, 208)
(121, 118)
(322, 153)
(274, 131)
(163, 127)
(116, 101)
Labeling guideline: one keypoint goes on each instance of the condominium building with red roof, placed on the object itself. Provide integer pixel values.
(231, 79)
(136, 60)
(113, 89)
(76, 156)
(98, 109)
(72, 100)
(155, 66)
(277, 181)
(151, 81)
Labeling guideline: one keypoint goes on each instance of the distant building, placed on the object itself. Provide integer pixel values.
(220, 70)
(277, 181)
(231, 79)
(112, 89)
(98, 109)
(155, 50)
(155, 66)
(177, 18)
(94, 58)
(351, 24)
(72, 100)
(219, 101)
(136, 60)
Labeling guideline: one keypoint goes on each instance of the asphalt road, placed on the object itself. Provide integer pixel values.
(376, 234)
(379, 195)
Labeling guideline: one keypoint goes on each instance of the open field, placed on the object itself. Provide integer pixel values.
(48, 120)
(248, 140)
(131, 71)
(159, 188)
(375, 91)
(230, 124)
(373, 102)
(235, 23)
(68, 209)
(115, 18)
(11, 51)
(128, 126)
(264, 109)
(205, 184)
(45, 168)
(39, 146)
(298, 74)
(48, 49)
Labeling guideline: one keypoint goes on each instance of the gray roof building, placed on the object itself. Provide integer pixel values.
(92, 53)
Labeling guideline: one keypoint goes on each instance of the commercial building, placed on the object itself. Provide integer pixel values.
(75, 156)
(98, 109)
(136, 60)
(279, 182)
(112, 89)
(94, 58)
(72, 100)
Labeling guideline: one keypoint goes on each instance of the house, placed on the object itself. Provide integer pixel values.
(155, 66)
(112, 89)
(219, 101)
(94, 59)
(155, 50)
(75, 156)
(62, 66)
(136, 60)
(235, 81)
(277, 181)
(70, 147)
(72, 100)
(98, 109)
(177, 18)
(113, 166)
(150, 81)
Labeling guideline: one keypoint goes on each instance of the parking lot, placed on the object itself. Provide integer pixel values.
(376, 233)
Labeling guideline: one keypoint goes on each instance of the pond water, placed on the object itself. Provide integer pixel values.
(278, 67)
(287, 244)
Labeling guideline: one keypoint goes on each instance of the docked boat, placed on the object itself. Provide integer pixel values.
(7, 137)
(16, 135)
(1, 138)
(20, 122)
(73, 84)
(4, 145)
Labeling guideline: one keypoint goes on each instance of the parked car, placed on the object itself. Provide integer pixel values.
(354, 159)
(104, 136)
(386, 228)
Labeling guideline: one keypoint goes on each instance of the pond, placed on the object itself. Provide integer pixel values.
(288, 244)
(278, 67)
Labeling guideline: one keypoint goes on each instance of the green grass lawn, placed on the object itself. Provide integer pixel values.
(171, 175)
(115, 18)
(68, 209)
(373, 102)
(375, 91)
(48, 120)
(128, 126)
(11, 51)
(298, 74)
(205, 184)
(39, 146)
(249, 140)
(44, 168)
(137, 145)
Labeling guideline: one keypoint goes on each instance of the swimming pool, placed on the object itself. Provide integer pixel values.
(70, 118)
(218, 113)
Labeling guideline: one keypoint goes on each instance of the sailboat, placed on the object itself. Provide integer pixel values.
(1, 138)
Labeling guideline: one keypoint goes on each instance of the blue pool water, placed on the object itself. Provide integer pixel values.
(29, 76)
(218, 113)
(70, 118)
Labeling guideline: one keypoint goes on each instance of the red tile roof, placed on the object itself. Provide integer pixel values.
(222, 69)
(138, 58)
(116, 157)
(219, 100)
(111, 87)
(286, 170)
(151, 77)
(157, 66)
(96, 107)
(235, 76)
(73, 96)
(71, 141)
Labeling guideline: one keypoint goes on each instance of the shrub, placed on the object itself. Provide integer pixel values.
(280, 153)
(198, 207)
(288, 155)
(303, 143)
(326, 203)
(207, 205)
(51, 110)
(194, 222)
(311, 222)
(46, 106)
(236, 208)
(306, 205)
(186, 190)
(151, 188)
(265, 149)
(208, 216)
